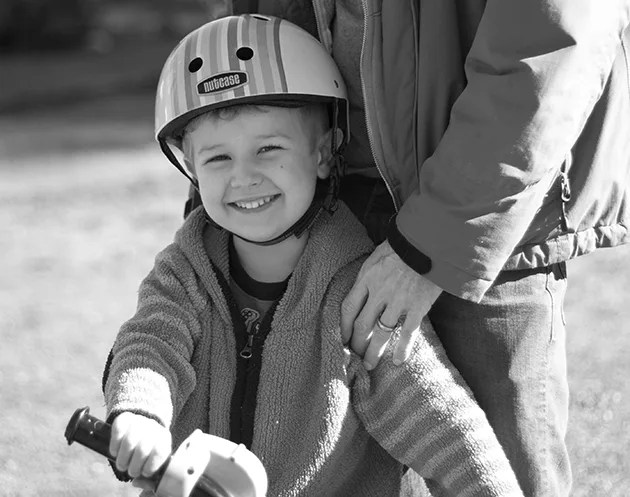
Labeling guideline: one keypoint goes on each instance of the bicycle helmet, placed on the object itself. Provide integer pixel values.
(251, 59)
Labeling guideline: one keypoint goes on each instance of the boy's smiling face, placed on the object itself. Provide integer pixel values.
(257, 167)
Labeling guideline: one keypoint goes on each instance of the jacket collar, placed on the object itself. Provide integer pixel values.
(335, 240)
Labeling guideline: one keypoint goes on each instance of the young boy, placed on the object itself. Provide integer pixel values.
(237, 330)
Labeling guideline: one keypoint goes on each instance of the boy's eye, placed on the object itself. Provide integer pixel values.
(269, 148)
(216, 158)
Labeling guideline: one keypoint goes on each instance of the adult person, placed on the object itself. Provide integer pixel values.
(495, 136)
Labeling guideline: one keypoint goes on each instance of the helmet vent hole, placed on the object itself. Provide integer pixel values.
(336, 83)
(244, 53)
(195, 64)
(261, 18)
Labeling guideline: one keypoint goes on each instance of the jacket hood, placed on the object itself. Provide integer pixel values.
(335, 240)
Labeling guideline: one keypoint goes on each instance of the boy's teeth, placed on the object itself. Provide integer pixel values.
(253, 204)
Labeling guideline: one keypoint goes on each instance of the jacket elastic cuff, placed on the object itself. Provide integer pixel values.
(410, 255)
(449, 278)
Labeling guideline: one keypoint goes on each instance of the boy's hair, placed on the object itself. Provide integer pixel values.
(316, 114)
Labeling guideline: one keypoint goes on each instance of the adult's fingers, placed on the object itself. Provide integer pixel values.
(407, 338)
(363, 329)
(383, 330)
(351, 307)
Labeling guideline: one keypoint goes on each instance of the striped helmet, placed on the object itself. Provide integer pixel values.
(245, 59)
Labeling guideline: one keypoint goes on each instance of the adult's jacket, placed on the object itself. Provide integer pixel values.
(501, 127)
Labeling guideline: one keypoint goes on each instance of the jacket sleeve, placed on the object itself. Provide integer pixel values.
(149, 369)
(534, 73)
(425, 416)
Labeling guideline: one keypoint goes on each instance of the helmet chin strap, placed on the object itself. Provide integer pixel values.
(173, 160)
(302, 225)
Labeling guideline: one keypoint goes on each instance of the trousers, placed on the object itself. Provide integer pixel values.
(510, 348)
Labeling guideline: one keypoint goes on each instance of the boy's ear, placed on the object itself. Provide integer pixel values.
(324, 152)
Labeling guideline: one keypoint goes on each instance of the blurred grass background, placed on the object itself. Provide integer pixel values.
(87, 200)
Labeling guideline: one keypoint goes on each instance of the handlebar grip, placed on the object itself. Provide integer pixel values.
(89, 431)
(95, 434)
(187, 473)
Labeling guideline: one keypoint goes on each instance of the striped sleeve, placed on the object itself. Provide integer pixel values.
(425, 416)
(150, 371)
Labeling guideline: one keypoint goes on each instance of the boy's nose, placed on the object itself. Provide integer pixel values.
(244, 174)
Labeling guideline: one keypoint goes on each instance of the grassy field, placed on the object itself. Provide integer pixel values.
(86, 203)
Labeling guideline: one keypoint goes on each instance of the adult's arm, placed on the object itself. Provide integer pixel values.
(534, 73)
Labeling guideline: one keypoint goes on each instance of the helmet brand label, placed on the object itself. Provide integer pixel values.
(222, 82)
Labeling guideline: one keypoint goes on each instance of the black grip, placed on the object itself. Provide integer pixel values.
(95, 434)
(89, 431)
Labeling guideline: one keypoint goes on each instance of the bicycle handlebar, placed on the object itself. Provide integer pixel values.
(235, 471)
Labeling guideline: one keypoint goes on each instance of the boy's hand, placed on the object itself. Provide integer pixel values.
(139, 444)
(386, 289)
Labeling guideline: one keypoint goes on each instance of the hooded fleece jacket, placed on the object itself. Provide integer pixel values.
(323, 425)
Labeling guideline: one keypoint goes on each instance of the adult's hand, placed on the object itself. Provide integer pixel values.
(388, 290)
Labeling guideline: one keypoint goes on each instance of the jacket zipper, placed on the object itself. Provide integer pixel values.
(249, 365)
(246, 352)
(328, 45)
(244, 377)
(368, 126)
(244, 433)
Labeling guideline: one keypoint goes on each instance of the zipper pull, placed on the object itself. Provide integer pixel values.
(246, 353)
(565, 195)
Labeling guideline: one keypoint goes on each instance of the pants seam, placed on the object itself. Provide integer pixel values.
(545, 380)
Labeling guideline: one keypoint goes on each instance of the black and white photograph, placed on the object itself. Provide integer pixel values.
(312, 248)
